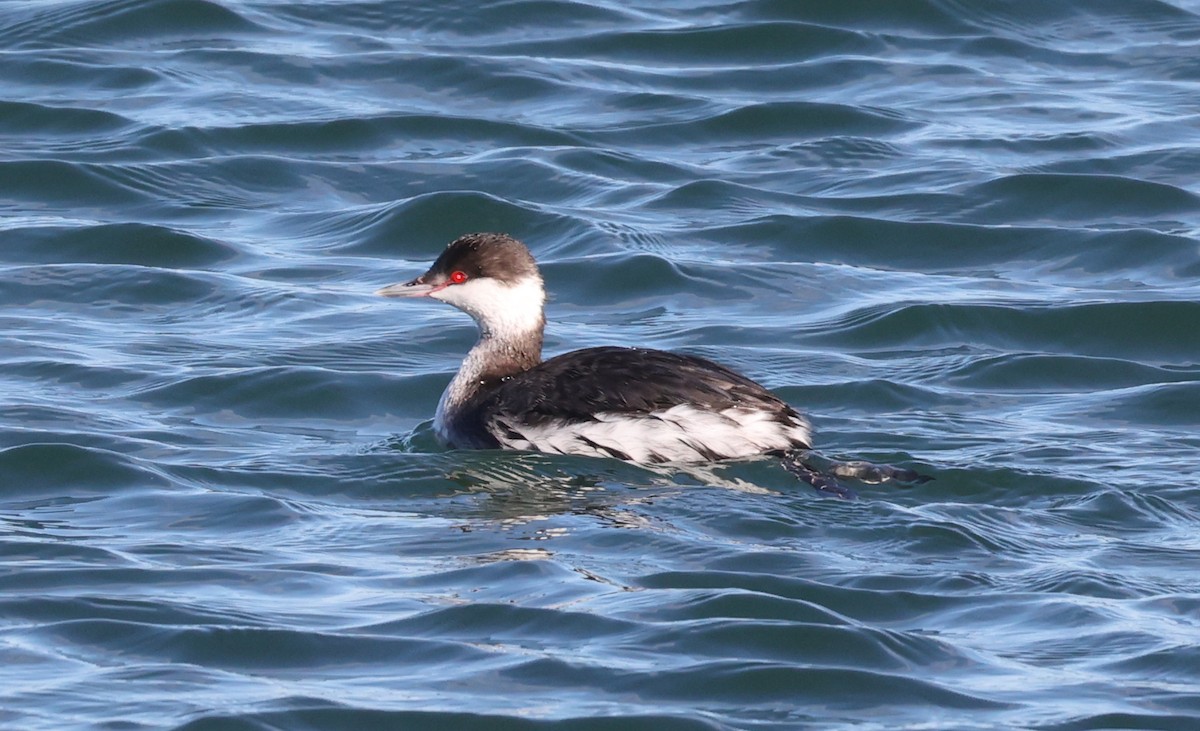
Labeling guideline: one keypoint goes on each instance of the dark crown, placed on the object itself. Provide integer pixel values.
(498, 256)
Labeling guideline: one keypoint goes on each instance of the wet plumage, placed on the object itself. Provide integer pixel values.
(635, 404)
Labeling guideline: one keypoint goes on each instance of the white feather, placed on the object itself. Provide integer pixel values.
(683, 433)
(502, 311)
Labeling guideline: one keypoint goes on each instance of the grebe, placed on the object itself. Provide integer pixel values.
(634, 404)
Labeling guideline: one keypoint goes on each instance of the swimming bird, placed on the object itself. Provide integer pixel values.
(634, 404)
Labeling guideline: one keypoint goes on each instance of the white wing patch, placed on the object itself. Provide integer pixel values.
(682, 433)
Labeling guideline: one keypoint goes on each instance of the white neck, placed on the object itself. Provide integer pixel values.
(511, 323)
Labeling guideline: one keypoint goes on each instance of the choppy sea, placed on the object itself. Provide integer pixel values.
(964, 236)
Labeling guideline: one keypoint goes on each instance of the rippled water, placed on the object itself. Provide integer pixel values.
(962, 235)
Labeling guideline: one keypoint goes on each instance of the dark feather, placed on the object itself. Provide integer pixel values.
(633, 381)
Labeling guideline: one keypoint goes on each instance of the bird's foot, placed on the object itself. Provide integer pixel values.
(825, 480)
(820, 481)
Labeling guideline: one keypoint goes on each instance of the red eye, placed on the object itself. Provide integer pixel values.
(458, 277)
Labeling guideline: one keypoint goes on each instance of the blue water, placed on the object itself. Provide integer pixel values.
(964, 236)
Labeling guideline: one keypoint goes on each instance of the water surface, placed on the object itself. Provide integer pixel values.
(961, 235)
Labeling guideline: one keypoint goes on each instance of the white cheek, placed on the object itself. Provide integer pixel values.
(500, 309)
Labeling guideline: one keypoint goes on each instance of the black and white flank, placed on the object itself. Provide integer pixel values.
(634, 404)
